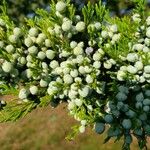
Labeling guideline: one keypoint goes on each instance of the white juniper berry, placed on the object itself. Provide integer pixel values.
(80, 26)
(23, 93)
(10, 48)
(33, 32)
(7, 67)
(82, 128)
(13, 38)
(66, 26)
(50, 54)
(61, 6)
(17, 31)
(33, 89)
(33, 50)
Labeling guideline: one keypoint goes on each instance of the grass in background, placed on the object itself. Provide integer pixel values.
(46, 129)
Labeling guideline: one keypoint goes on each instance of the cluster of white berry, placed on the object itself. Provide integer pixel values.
(138, 59)
(69, 61)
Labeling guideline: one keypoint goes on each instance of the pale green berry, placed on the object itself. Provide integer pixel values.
(97, 56)
(10, 49)
(97, 64)
(138, 47)
(54, 64)
(87, 69)
(78, 102)
(116, 37)
(97, 25)
(33, 32)
(67, 79)
(146, 49)
(80, 26)
(82, 129)
(113, 28)
(29, 73)
(28, 42)
(61, 6)
(81, 70)
(66, 26)
(7, 67)
(78, 79)
(29, 58)
(42, 35)
(139, 65)
(69, 35)
(2, 22)
(1, 44)
(131, 69)
(43, 83)
(107, 65)
(148, 20)
(72, 94)
(73, 44)
(33, 90)
(147, 41)
(83, 122)
(51, 31)
(17, 32)
(148, 33)
(71, 105)
(47, 43)
(23, 60)
(104, 34)
(132, 57)
(13, 38)
(23, 93)
(78, 51)
(50, 54)
(81, 44)
(84, 91)
(33, 50)
(80, 59)
(89, 79)
(66, 70)
(39, 40)
(41, 55)
(58, 14)
(147, 69)
(136, 18)
(74, 73)
(44, 65)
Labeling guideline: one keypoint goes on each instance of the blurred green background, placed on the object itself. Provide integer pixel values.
(46, 129)
(18, 9)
